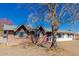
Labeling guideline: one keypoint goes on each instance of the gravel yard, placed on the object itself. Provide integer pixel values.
(70, 48)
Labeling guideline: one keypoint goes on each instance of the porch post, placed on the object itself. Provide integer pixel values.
(5, 37)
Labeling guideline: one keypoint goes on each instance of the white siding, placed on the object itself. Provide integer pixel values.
(64, 37)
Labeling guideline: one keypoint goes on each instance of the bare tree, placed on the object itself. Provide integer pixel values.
(72, 10)
(67, 13)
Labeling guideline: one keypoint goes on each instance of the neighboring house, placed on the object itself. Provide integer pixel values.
(21, 32)
(17, 34)
(7, 31)
(14, 34)
(62, 35)
(2, 22)
(18, 31)
(65, 36)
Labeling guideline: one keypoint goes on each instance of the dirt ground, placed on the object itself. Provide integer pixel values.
(63, 49)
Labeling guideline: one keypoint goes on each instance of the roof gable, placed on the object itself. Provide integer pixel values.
(21, 27)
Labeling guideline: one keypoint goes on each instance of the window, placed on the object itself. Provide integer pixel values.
(5, 32)
(15, 33)
(59, 35)
(21, 34)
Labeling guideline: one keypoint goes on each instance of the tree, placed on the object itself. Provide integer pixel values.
(58, 14)
(69, 13)
(72, 10)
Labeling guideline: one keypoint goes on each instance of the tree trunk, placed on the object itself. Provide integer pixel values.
(53, 44)
(32, 38)
(36, 37)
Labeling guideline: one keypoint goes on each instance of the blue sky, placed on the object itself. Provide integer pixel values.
(11, 12)
(20, 15)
